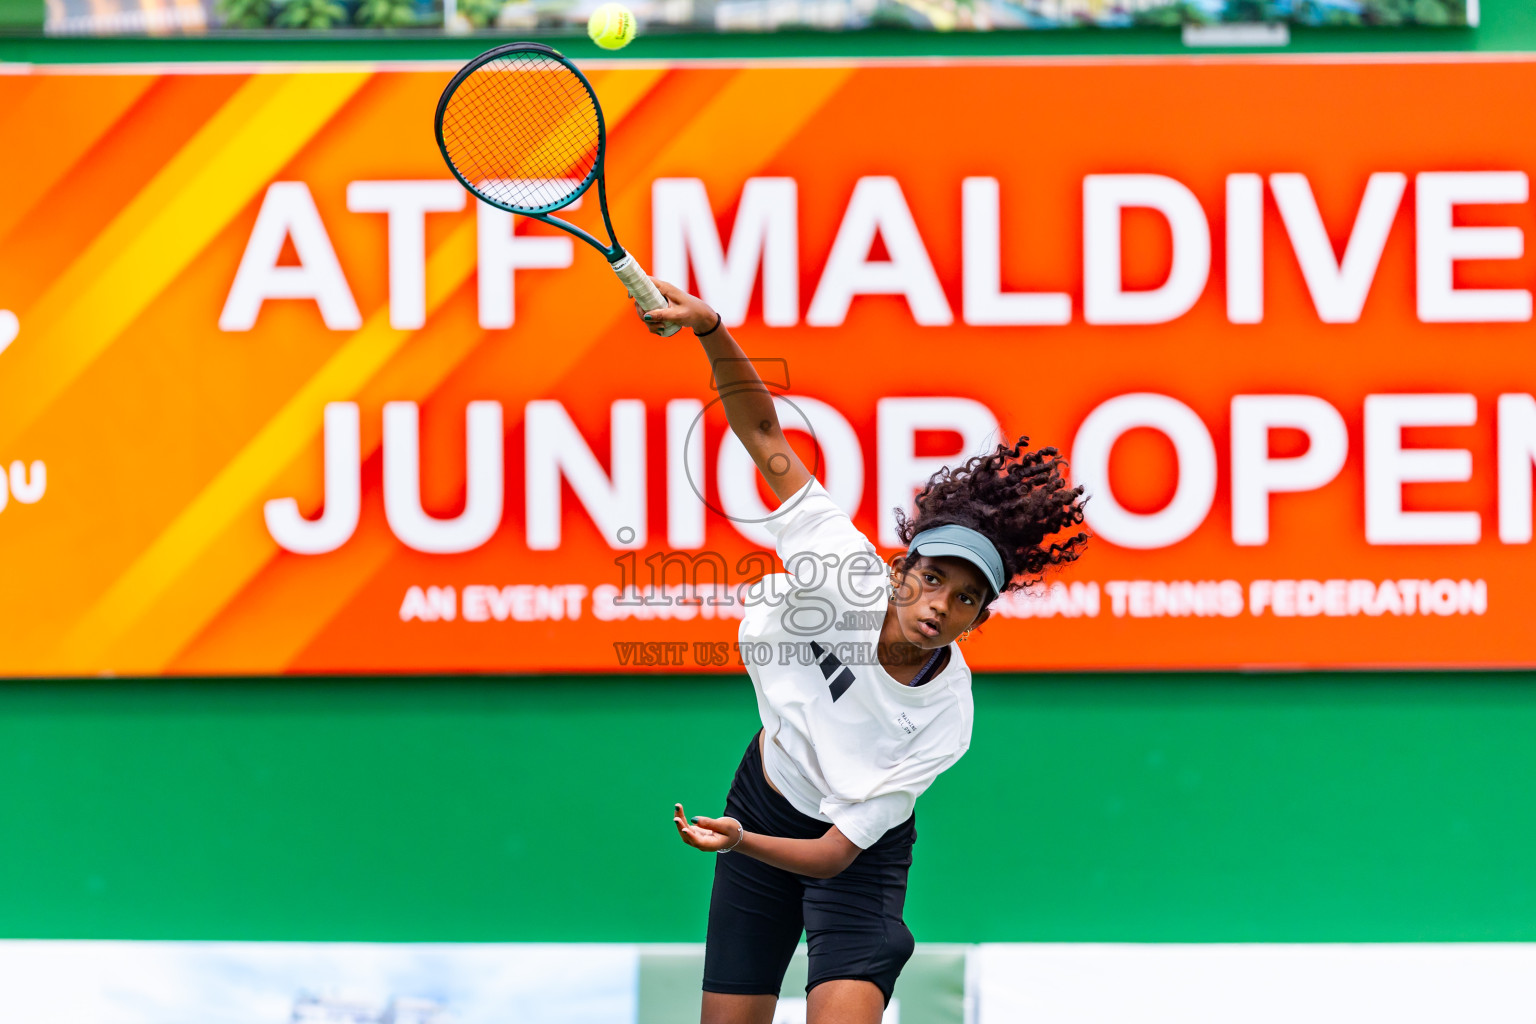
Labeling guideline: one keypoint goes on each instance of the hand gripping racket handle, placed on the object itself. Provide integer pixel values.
(642, 289)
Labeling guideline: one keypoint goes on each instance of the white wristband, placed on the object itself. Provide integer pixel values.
(742, 834)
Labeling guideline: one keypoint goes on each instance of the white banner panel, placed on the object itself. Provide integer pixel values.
(1470, 983)
(335, 983)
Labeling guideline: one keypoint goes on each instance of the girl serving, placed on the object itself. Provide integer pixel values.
(818, 828)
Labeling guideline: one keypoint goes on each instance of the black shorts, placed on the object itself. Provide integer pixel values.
(852, 922)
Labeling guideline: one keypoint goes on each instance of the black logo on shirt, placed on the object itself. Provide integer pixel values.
(839, 680)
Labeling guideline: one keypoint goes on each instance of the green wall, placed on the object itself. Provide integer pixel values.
(1506, 25)
(1306, 808)
(20, 15)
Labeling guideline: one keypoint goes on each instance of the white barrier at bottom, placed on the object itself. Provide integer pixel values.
(312, 982)
(66, 982)
(1460, 983)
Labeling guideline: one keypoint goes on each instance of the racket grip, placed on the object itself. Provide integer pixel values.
(642, 289)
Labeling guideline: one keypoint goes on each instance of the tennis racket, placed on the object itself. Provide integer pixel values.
(520, 127)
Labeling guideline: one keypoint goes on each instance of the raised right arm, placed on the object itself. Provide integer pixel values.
(747, 400)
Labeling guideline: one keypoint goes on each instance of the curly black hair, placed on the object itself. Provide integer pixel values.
(1017, 497)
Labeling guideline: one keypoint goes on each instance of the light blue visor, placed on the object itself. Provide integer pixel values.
(958, 541)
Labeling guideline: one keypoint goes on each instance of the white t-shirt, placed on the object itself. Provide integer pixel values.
(845, 743)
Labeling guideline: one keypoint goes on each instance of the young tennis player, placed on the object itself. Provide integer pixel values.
(819, 826)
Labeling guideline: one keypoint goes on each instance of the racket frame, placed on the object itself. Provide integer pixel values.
(635, 280)
(613, 252)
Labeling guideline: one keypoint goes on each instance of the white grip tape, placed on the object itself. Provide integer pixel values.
(642, 289)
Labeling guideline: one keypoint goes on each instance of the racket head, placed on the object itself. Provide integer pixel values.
(521, 128)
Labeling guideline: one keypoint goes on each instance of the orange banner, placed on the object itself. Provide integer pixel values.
(277, 397)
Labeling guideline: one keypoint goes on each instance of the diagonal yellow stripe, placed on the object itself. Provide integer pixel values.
(202, 188)
(737, 146)
(135, 629)
(241, 483)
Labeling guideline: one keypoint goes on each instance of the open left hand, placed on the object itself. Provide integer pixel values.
(708, 834)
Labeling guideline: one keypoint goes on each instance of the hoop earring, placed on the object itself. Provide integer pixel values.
(964, 635)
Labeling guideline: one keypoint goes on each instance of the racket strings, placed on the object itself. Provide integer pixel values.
(510, 137)
(524, 129)
(567, 145)
(531, 127)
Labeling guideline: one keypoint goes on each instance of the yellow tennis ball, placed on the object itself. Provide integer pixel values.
(611, 26)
